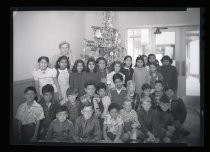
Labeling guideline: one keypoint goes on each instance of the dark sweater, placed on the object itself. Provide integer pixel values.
(128, 74)
(170, 76)
(178, 110)
(162, 98)
(76, 82)
(118, 98)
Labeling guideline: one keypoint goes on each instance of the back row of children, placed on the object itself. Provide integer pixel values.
(91, 108)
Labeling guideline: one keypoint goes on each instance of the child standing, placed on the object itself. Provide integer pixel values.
(87, 127)
(113, 125)
(148, 118)
(45, 75)
(158, 95)
(91, 72)
(169, 72)
(119, 93)
(102, 70)
(127, 69)
(63, 73)
(49, 106)
(116, 66)
(152, 59)
(146, 61)
(132, 95)
(141, 74)
(61, 129)
(29, 115)
(72, 104)
(154, 75)
(131, 123)
(177, 106)
(76, 77)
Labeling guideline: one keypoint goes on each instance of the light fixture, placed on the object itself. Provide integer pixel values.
(158, 30)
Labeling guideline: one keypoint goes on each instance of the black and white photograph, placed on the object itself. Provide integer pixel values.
(106, 77)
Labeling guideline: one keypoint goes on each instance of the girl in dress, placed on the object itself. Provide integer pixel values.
(146, 61)
(154, 75)
(127, 69)
(141, 74)
(76, 76)
(45, 75)
(102, 69)
(63, 74)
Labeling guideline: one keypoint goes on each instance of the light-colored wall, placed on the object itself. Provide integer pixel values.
(38, 34)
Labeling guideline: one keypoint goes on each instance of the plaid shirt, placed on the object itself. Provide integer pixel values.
(129, 116)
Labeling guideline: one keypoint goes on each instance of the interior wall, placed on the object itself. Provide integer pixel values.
(38, 33)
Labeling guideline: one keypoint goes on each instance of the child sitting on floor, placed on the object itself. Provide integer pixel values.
(113, 125)
(72, 104)
(87, 127)
(131, 124)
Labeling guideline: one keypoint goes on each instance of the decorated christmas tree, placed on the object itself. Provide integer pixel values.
(106, 42)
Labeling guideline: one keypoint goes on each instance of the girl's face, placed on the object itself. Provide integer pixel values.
(170, 93)
(91, 66)
(62, 116)
(127, 106)
(43, 64)
(128, 62)
(64, 49)
(117, 68)
(79, 67)
(30, 95)
(139, 63)
(145, 60)
(113, 113)
(152, 68)
(102, 92)
(152, 59)
(131, 88)
(87, 112)
(72, 98)
(102, 64)
(63, 64)
(146, 105)
(165, 62)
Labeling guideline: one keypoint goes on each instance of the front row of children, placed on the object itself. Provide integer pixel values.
(124, 116)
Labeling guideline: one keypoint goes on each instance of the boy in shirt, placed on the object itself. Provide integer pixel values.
(118, 93)
(87, 127)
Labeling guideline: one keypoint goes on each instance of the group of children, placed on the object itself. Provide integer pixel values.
(94, 104)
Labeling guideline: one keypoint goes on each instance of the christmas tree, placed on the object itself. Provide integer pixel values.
(106, 42)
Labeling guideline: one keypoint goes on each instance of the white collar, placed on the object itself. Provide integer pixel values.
(65, 70)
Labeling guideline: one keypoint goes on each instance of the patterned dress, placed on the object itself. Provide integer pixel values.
(63, 80)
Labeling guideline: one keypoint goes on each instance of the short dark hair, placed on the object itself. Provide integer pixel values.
(140, 58)
(61, 108)
(57, 66)
(146, 86)
(74, 69)
(101, 58)
(86, 104)
(31, 88)
(48, 88)
(114, 63)
(71, 91)
(155, 64)
(100, 85)
(43, 57)
(151, 55)
(90, 82)
(166, 57)
(159, 81)
(117, 76)
(91, 60)
(113, 106)
(167, 88)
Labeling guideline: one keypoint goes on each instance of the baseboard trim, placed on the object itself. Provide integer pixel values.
(20, 82)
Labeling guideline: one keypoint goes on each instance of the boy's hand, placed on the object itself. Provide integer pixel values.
(33, 139)
(108, 140)
(104, 80)
(151, 136)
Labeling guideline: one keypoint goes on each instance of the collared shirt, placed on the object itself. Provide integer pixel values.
(113, 124)
(45, 77)
(129, 116)
(62, 131)
(118, 97)
(31, 114)
(89, 130)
